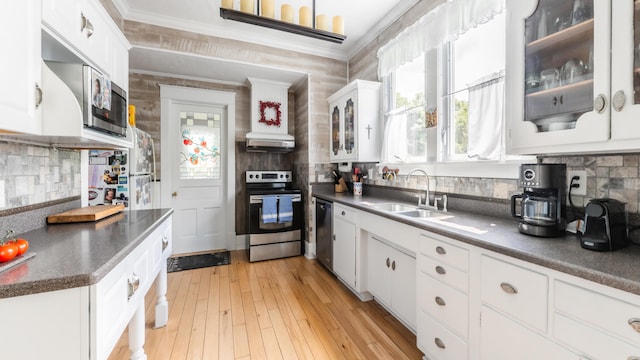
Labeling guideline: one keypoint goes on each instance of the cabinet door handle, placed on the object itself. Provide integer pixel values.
(165, 242)
(440, 301)
(344, 213)
(439, 343)
(86, 25)
(600, 103)
(133, 283)
(440, 250)
(635, 324)
(508, 288)
(561, 99)
(38, 95)
(393, 265)
(554, 101)
(617, 102)
(440, 270)
(388, 262)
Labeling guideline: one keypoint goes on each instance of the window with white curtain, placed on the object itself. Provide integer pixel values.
(462, 79)
(472, 99)
(405, 128)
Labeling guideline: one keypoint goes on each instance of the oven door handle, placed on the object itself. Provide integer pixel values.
(257, 199)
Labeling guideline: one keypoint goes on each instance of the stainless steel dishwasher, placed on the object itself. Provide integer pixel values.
(324, 233)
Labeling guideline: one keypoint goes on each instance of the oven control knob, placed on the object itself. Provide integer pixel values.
(287, 176)
(281, 176)
(250, 176)
(257, 176)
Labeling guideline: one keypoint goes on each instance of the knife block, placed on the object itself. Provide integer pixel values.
(341, 186)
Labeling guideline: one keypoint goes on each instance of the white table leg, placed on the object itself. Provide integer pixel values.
(162, 305)
(136, 334)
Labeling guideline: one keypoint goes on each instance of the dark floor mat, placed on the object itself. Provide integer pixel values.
(198, 261)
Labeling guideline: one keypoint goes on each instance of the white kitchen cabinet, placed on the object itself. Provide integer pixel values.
(505, 339)
(344, 244)
(355, 127)
(554, 106)
(391, 279)
(610, 332)
(20, 88)
(86, 322)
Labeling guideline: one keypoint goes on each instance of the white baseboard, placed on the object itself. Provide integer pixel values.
(241, 242)
(309, 250)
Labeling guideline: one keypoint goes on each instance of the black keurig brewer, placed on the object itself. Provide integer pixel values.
(542, 202)
(605, 225)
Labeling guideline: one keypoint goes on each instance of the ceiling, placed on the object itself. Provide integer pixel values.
(363, 21)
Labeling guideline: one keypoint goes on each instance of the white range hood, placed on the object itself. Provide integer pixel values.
(269, 117)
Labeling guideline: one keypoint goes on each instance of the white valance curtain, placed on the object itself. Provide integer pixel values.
(486, 117)
(444, 23)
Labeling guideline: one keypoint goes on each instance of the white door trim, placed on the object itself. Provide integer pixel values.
(170, 94)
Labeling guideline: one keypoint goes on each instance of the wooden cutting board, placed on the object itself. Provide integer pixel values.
(87, 213)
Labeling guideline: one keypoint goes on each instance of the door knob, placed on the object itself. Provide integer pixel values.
(174, 194)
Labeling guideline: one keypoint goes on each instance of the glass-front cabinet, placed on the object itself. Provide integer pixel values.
(355, 122)
(571, 75)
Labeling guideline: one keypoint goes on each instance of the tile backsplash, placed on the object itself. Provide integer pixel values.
(33, 174)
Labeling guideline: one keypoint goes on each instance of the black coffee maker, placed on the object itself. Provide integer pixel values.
(542, 203)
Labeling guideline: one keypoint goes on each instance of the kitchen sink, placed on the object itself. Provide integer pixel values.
(418, 213)
(394, 207)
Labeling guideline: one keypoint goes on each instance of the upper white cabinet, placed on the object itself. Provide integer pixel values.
(86, 29)
(20, 88)
(355, 126)
(571, 75)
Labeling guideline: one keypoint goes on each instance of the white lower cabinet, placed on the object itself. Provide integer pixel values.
(438, 342)
(502, 338)
(391, 278)
(602, 323)
(344, 244)
(86, 322)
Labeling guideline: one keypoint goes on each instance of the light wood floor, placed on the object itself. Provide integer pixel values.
(279, 309)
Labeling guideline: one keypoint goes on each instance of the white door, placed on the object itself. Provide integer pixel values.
(196, 168)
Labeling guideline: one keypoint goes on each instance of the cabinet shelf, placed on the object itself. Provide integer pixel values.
(562, 38)
(563, 88)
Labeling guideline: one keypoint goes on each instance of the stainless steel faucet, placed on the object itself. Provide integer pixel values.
(427, 201)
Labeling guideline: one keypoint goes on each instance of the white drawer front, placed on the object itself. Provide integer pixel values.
(444, 252)
(609, 314)
(437, 342)
(591, 342)
(345, 213)
(444, 304)
(517, 291)
(446, 273)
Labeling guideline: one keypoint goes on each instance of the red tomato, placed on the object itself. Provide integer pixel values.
(8, 251)
(22, 245)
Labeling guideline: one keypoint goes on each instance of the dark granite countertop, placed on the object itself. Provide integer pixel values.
(618, 269)
(78, 254)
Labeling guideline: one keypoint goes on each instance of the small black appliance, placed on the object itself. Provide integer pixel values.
(542, 202)
(605, 225)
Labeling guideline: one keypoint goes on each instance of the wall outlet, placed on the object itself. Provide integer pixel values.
(582, 189)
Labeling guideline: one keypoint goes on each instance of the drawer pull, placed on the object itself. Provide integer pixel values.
(440, 270)
(165, 242)
(388, 262)
(439, 343)
(344, 213)
(440, 250)
(635, 324)
(440, 301)
(633, 358)
(133, 284)
(508, 288)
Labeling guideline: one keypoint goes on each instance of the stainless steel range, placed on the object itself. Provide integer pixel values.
(274, 215)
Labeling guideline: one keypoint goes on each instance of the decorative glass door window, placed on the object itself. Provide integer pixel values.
(200, 145)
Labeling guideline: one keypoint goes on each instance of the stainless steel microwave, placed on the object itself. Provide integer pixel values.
(102, 102)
